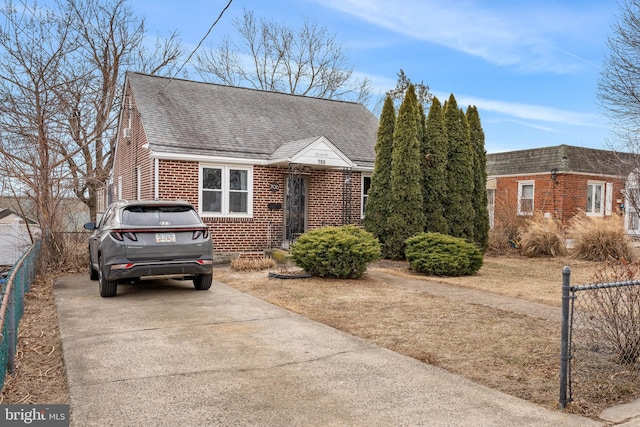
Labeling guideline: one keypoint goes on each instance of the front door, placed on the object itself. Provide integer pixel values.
(295, 206)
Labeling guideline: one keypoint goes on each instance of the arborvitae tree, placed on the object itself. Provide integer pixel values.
(379, 199)
(434, 170)
(406, 179)
(459, 210)
(481, 223)
(422, 124)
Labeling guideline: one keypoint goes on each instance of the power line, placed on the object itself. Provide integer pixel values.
(198, 46)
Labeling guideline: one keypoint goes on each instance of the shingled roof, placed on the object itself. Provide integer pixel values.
(205, 119)
(564, 158)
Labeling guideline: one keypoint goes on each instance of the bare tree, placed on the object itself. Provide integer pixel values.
(269, 56)
(619, 83)
(61, 76)
(422, 91)
(619, 94)
(111, 39)
(35, 45)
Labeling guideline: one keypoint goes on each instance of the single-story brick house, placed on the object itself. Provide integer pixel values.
(559, 182)
(261, 167)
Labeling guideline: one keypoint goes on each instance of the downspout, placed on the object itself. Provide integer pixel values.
(156, 168)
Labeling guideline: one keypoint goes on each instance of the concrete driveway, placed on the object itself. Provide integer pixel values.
(164, 354)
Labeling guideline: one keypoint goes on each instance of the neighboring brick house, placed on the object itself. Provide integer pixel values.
(559, 182)
(261, 167)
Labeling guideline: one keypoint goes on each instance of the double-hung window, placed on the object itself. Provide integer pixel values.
(595, 193)
(226, 191)
(525, 198)
(366, 184)
(491, 206)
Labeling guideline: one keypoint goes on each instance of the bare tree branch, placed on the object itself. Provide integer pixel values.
(269, 56)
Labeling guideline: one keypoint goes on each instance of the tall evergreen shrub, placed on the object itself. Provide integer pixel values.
(434, 170)
(406, 179)
(459, 210)
(479, 199)
(379, 199)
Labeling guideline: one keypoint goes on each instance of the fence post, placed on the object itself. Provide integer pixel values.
(11, 332)
(564, 336)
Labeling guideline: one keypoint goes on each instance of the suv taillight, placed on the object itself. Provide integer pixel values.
(202, 232)
(119, 235)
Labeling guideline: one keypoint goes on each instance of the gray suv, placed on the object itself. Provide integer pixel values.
(143, 239)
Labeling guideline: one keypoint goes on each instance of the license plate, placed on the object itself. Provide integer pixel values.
(165, 237)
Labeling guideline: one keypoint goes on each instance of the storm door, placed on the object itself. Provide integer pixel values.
(295, 204)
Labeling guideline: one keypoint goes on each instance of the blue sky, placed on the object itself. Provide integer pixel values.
(530, 66)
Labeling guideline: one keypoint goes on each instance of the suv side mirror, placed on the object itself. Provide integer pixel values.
(90, 226)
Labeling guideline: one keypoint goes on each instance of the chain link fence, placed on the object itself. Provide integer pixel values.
(600, 351)
(17, 284)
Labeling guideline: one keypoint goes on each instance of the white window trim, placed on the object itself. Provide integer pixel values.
(491, 206)
(533, 199)
(138, 183)
(362, 195)
(602, 185)
(608, 207)
(225, 191)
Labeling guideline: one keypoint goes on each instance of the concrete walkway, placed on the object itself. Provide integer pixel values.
(163, 354)
(472, 296)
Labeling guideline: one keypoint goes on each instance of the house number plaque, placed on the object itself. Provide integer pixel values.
(274, 186)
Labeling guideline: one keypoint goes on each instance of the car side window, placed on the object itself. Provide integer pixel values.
(106, 218)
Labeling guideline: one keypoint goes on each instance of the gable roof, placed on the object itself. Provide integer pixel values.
(564, 158)
(205, 119)
(7, 213)
(315, 151)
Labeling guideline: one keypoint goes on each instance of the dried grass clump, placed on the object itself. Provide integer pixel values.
(542, 237)
(504, 236)
(252, 264)
(498, 243)
(67, 252)
(617, 271)
(600, 239)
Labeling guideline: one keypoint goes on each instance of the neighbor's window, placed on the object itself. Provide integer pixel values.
(595, 206)
(491, 206)
(525, 198)
(633, 221)
(366, 184)
(226, 191)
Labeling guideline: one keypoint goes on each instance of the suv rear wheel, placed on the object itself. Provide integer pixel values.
(93, 274)
(203, 282)
(108, 288)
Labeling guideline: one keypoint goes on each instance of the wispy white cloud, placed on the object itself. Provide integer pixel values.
(512, 34)
(531, 125)
(532, 113)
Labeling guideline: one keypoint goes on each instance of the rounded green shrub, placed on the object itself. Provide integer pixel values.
(437, 254)
(337, 252)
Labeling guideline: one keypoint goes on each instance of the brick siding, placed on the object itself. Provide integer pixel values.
(248, 236)
(562, 199)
